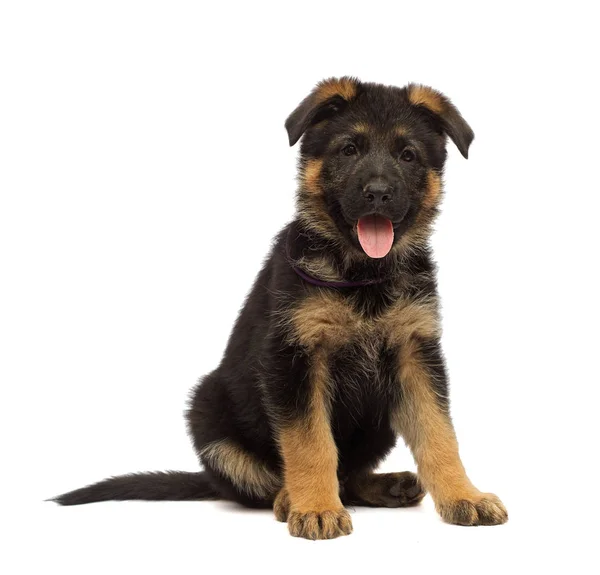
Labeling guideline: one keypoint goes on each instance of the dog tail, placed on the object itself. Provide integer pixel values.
(153, 486)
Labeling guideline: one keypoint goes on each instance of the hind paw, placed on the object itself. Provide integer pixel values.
(281, 505)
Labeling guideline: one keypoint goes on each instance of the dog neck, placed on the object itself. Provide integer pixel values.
(323, 263)
(333, 284)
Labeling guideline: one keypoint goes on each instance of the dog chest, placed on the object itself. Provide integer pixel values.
(331, 321)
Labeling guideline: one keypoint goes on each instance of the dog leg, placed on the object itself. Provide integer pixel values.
(425, 424)
(310, 501)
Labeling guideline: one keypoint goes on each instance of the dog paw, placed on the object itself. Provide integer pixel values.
(320, 525)
(403, 490)
(384, 490)
(484, 509)
(281, 505)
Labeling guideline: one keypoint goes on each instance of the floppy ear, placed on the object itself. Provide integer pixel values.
(329, 97)
(443, 109)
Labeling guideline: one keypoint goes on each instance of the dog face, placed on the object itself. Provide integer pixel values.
(371, 160)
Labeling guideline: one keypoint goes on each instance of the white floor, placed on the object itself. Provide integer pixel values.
(208, 537)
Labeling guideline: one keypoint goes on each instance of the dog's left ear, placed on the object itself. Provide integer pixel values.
(452, 123)
(327, 99)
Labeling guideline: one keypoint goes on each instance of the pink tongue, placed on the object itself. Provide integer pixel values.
(376, 235)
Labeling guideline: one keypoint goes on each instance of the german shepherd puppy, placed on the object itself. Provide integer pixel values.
(336, 351)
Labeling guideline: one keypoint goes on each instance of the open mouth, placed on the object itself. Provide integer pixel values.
(376, 235)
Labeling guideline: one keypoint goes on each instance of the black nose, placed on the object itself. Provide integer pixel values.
(378, 193)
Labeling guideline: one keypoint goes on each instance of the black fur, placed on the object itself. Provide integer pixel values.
(167, 485)
(262, 378)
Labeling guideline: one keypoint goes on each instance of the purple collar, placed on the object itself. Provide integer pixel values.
(341, 284)
(322, 283)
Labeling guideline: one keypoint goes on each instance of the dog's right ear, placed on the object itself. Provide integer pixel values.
(328, 98)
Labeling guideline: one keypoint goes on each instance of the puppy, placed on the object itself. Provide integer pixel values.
(336, 351)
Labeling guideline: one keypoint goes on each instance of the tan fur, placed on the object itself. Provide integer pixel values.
(309, 451)
(414, 238)
(322, 323)
(310, 175)
(434, 191)
(325, 320)
(310, 500)
(428, 431)
(361, 128)
(420, 232)
(420, 95)
(250, 475)
(408, 318)
(344, 87)
(281, 505)
(323, 525)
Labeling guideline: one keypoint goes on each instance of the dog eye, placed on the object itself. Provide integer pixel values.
(407, 155)
(349, 150)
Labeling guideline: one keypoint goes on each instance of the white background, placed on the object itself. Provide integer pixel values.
(144, 169)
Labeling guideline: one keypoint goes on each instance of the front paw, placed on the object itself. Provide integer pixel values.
(480, 509)
(320, 525)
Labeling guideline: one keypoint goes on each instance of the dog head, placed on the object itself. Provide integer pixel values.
(371, 160)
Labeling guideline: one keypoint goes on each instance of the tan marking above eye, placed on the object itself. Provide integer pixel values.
(361, 128)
